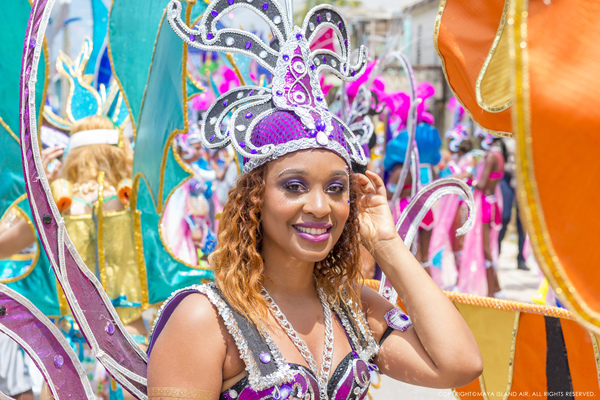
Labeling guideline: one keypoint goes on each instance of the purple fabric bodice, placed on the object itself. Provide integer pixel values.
(269, 375)
(350, 380)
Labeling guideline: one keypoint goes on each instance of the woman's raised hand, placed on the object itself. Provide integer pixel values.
(376, 221)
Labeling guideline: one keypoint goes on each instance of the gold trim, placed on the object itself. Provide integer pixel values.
(10, 132)
(509, 305)
(100, 231)
(436, 32)
(487, 62)
(528, 195)
(47, 113)
(596, 354)
(160, 234)
(114, 72)
(36, 257)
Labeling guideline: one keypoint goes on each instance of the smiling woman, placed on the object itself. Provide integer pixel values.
(287, 315)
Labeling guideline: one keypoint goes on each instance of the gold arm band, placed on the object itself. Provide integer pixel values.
(167, 393)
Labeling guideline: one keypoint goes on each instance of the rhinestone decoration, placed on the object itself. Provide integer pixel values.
(192, 38)
(311, 26)
(277, 19)
(233, 394)
(333, 63)
(213, 120)
(231, 2)
(284, 392)
(229, 41)
(214, 13)
(211, 138)
(225, 102)
(209, 36)
(357, 391)
(286, 57)
(242, 144)
(265, 6)
(263, 54)
(265, 357)
(58, 361)
(320, 125)
(317, 61)
(47, 219)
(110, 328)
(279, 93)
(248, 45)
(319, 18)
(322, 139)
(2, 311)
(240, 95)
(249, 115)
(241, 128)
(299, 36)
(328, 16)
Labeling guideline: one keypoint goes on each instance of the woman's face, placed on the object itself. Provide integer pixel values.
(305, 205)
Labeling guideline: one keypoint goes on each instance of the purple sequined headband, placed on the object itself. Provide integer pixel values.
(295, 102)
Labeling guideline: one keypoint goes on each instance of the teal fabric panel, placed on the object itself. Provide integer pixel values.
(162, 114)
(39, 286)
(132, 30)
(164, 273)
(100, 18)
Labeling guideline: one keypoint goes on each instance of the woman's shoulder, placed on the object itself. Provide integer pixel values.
(190, 308)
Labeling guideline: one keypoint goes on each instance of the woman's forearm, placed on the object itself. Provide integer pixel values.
(441, 329)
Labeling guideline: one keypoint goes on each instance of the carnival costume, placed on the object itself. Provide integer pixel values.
(488, 208)
(442, 251)
(267, 123)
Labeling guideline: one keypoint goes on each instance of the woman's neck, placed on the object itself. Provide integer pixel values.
(289, 277)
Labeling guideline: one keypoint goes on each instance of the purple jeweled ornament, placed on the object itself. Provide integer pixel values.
(286, 57)
(225, 102)
(396, 319)
(319, 18)
(250, 93)
(231, 2)
(253, 151)
(214, 13)
(248, 45)
(211, 138)
(279, 93)
(299, 36)
(242, 144)
(319, 98)
(324, 59)
(110, 328)
(58, 361)
(209, 36)
(265, 6)
(320, 125)
(192, 38)
(249, 115)
(265, 357)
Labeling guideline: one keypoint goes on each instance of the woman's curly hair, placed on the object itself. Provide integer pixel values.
(237, 260)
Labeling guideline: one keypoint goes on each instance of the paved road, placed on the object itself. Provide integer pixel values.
(517, 284)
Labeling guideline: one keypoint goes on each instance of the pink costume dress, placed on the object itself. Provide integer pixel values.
(488, 209)
(441, 255)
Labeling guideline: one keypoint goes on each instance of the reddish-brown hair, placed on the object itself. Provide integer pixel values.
(237, 260)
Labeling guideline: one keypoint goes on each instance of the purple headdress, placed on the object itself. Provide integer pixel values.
(488, 139)
(292, 115)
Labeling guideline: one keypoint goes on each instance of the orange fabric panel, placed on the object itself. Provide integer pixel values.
(466, 34)
(564, 63)
(582, 361)
(529, 371)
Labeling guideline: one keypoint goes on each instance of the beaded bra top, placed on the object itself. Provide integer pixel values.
(269, 375)
(291, 115)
